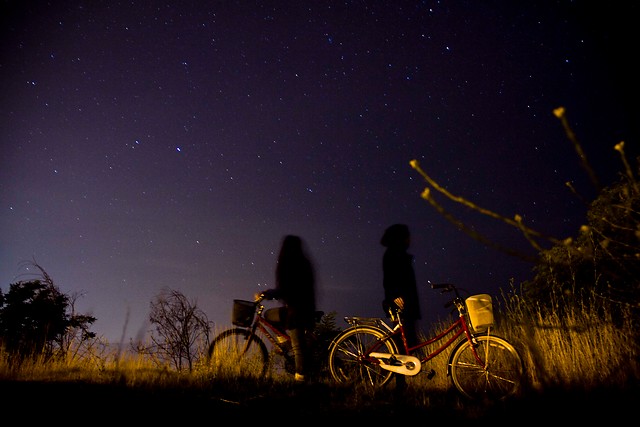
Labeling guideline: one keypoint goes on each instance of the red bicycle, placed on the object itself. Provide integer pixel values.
(256, 346)
(481, 365)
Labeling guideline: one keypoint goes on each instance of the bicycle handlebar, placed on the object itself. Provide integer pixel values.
(263, 296)
(447, 287)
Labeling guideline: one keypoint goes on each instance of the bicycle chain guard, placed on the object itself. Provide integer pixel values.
(399, 363)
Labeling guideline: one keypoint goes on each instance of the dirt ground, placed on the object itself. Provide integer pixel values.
(314, 403)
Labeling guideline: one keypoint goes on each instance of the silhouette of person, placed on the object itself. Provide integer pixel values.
(295, 288)
(399, 282)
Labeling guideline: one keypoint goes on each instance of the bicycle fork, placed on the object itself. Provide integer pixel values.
(248, 339)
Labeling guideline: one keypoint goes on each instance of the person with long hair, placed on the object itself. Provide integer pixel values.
(295, 288)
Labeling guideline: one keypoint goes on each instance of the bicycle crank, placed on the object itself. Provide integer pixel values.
(399, 363)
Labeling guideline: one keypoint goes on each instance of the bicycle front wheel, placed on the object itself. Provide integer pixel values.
(499, 378)
(348, 360)
(239, 352)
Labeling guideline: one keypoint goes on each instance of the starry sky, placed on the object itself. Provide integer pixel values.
(149, 145)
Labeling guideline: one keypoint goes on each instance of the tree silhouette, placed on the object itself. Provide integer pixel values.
(180, 333)
(602, 260)
(35, 319)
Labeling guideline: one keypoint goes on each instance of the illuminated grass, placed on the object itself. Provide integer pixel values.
(574, 354)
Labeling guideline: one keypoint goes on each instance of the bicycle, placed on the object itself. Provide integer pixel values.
(242, 350)
(481, 365)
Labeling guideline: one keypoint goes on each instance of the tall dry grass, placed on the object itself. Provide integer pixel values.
(585, 348)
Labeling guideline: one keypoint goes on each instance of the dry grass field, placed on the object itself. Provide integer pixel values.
(577, 370)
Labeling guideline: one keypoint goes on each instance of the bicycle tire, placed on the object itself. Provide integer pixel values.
(347, 361)
(227, 356)
(500, 378)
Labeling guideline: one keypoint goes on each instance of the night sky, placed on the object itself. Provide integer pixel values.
(149, 145)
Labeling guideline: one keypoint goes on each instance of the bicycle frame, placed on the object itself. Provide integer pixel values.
(278, 337)
(275, 336)
(456, 330)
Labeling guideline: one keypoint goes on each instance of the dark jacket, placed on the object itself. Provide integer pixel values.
(295, 284)
(399, 280)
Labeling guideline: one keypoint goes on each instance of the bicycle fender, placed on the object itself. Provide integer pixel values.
(459, 344)
(398, 363)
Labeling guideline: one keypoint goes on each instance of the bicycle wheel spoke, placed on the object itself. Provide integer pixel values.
(348, 361)
(496, 378)
(232, 353)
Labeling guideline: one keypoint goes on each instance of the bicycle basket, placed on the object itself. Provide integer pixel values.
(243, 312)
(480, 311)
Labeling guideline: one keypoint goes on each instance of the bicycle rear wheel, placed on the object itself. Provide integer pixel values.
(501, 375)
(238, 352)
(348, 361)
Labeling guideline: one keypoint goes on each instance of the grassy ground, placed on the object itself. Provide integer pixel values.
(577, 370)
